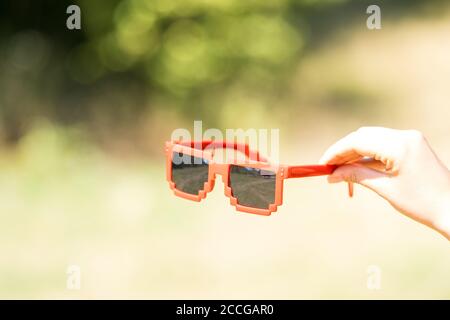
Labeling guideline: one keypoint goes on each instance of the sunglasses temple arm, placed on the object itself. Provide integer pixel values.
(315, 170)
(309, 171)
(219, 144)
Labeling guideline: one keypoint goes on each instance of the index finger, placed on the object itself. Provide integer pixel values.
(374, 142)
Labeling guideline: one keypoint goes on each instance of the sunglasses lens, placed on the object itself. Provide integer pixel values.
(253, 187)
(189, 173)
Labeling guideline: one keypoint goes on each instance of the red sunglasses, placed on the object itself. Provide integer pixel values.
(254, 186)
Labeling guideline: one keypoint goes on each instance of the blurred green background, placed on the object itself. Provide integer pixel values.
(84, 115)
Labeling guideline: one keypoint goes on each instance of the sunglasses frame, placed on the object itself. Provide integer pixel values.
(197, 149)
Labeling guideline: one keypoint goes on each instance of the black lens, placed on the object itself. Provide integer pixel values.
(189, 173)
(253, 187)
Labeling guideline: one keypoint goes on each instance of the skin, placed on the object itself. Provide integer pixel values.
(404, 170)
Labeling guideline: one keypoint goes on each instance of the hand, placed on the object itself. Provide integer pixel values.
(412, 178)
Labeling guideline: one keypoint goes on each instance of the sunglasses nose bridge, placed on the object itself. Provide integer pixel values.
(220, 168)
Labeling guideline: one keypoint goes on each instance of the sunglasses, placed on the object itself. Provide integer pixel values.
(253, 186)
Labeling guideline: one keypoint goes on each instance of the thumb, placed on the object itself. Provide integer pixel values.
(377, 181)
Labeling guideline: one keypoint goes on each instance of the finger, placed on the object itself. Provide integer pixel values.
(350, 144)
(374, 142)
(375, 180)
(332, 152)
(345, 158)
(374, 164)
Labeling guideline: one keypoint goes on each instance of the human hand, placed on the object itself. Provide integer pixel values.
(412, 178)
